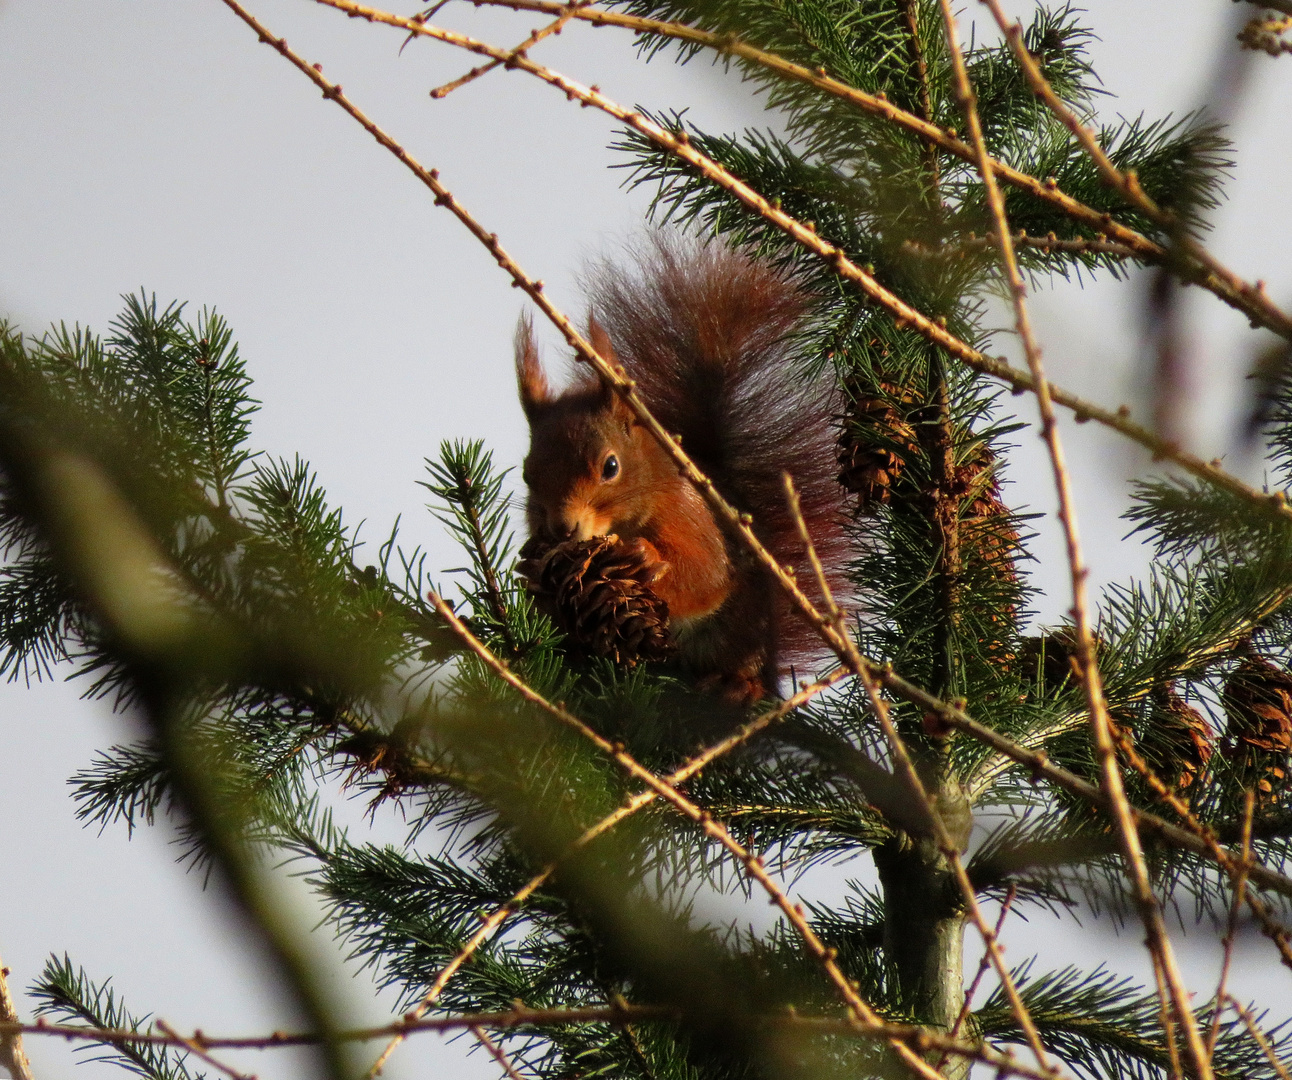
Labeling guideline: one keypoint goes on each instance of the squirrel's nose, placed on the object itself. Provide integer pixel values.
(575, 523)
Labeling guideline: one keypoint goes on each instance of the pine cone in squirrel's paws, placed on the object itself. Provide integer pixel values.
(599, 592)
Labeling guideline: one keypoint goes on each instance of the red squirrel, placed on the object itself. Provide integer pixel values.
(708, 335)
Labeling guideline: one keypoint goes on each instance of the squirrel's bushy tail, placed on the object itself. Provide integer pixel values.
(709, 334)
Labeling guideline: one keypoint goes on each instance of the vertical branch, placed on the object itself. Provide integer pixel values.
(983, 964)
(1258, 1037)
(910, 14)
(1231, 931)
(1168, 1025)
(495, 1052)
(12, 1056)
(1113, 788)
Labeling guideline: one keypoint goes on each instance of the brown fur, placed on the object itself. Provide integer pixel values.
(706, 334)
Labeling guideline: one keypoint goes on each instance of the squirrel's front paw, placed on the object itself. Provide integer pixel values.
(645, 559)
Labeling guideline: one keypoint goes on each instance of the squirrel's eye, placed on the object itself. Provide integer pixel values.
(610, 469)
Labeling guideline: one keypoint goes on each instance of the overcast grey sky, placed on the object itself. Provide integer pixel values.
(155, 144)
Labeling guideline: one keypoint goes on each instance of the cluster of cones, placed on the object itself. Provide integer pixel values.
(599, 592)
(878, 440)
(1177, 740)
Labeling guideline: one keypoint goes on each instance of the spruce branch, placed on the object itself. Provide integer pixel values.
(905, 315)
(1227, 286)
(69, 993)
(752, 864)
(1035, 761)
(491, 923)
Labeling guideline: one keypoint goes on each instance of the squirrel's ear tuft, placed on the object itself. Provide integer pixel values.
(600, 340)
(534, 389)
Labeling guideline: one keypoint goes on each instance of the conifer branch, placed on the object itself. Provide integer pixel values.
(904, 315)
(1127, 184)
(955, 717)
(1226, 285)
(858, 1008)
(495, 919)
(1088, 667)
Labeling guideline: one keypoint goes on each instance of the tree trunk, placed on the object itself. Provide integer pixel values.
(924, 921)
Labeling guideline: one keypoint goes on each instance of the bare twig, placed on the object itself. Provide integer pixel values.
(1258, 1037)
(195, 1045)
(1049, 242)
(495, 1052)
(983, 964)
(1231, 930)
(918, 1038)
(12, 1057)
(1239, 867)
(1168, 1023)
(1226, 285)
(554, 27)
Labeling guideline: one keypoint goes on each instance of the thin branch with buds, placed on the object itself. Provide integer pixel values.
(919, 1039)
(984, 963)
(904, 315)
(495, 1052)
(1231, 930)
(1258, 1037)
(193, 1046)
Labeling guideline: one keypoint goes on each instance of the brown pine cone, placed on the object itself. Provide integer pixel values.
(1179, 739)
(984, 524)
(871, 463)
(1258, 702)
(1050, 655)
(598, 591)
